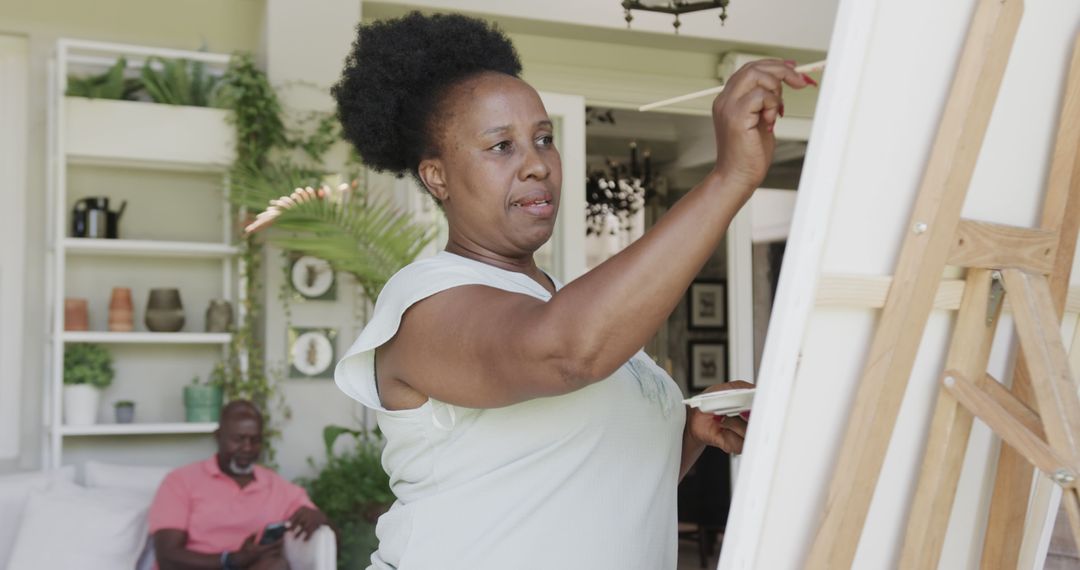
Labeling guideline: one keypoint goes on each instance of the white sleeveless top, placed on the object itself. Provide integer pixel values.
(585, 480)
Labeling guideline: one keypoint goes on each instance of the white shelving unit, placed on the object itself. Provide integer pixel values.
(151, 139)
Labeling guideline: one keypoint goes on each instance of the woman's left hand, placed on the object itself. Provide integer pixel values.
(725, 432)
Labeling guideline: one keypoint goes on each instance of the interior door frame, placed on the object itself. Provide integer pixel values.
(568, 240)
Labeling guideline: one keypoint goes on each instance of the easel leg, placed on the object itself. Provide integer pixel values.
(1039, 330)
(969, 353)
(918, 271)
(1061, 212)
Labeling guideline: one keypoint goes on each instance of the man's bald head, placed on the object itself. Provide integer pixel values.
(239, 437)
(240, 409)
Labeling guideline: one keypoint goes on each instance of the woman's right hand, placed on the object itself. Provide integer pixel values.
(743, 116)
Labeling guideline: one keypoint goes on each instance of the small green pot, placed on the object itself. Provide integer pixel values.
(202, 403)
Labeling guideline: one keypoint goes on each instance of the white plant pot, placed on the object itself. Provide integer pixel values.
(81, 404)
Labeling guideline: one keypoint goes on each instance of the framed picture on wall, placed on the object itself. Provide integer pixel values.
(708, 305)
(312, 278)
(708, 364)
(311, 352)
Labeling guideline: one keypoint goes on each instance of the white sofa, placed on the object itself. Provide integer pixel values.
(49, 522)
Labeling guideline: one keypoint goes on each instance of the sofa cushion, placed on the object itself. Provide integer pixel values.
(145, 479)
(97, 528)
(14, 492)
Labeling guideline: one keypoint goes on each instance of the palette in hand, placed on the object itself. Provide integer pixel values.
(724, 402)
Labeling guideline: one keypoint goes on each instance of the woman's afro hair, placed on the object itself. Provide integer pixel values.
(395, 75)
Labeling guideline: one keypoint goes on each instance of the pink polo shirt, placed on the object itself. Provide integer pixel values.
(215, 511)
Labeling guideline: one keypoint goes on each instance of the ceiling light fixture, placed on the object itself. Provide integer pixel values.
(676, 7)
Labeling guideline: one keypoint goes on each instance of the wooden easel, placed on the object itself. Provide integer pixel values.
(1032, 266)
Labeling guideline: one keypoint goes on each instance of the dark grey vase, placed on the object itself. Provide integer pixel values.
(219, 316)
(164, 311)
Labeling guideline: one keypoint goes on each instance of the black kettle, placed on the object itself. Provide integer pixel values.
(92, 218)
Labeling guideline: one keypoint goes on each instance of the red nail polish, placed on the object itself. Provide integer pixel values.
(769, 128)
(789, 62)
(809, 80)
(745, 415)
(781, 109)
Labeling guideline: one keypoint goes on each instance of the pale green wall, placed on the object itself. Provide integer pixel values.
(224, 25)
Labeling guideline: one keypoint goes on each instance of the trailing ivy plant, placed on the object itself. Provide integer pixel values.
(363, 237)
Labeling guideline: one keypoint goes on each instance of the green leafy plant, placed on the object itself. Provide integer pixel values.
(124, 404)
(355, 233)
(364, 238)
(109, 85)
(179, 82)
(352, 489)
(256, 111)
(87, 364)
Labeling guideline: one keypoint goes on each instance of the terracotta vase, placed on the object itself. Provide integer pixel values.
(76, 315)
(121, 311)
(219, 316)
(164, 311)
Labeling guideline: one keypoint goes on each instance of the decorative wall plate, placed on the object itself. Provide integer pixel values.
(312, 278)
(311, 352)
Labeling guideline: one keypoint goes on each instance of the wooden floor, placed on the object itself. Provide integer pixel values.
(690, 560)
(1062, 554)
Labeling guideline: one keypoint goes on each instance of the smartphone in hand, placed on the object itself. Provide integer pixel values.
(272, 533)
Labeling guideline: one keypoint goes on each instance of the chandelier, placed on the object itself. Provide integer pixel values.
(676, 7)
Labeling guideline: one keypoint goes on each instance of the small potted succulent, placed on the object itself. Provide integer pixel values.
(87, 371)
(125, 411)
(202, 401)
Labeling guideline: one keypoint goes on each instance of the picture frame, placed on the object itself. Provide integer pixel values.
(707, 364)
(312, 352)
(312, 278)
(707, 305)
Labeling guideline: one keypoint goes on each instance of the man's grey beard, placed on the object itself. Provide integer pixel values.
(238, 470)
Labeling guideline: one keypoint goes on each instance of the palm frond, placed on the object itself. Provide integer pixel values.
(355, 233)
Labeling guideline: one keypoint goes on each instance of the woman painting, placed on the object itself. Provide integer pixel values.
(525, 428)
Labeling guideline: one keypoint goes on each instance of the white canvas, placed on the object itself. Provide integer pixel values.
(890, 66)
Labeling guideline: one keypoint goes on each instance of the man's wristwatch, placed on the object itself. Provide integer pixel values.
(226, 564)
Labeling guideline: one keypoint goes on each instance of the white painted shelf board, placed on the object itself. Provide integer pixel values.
(146, 337)
(139, 429)
(137, 164)
(149, 248)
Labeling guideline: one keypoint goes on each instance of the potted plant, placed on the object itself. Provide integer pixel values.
(202, 401)
(353, 490)
(124, 411)
(87, 371)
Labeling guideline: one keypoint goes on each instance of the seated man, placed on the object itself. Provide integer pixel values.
(211, 514)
